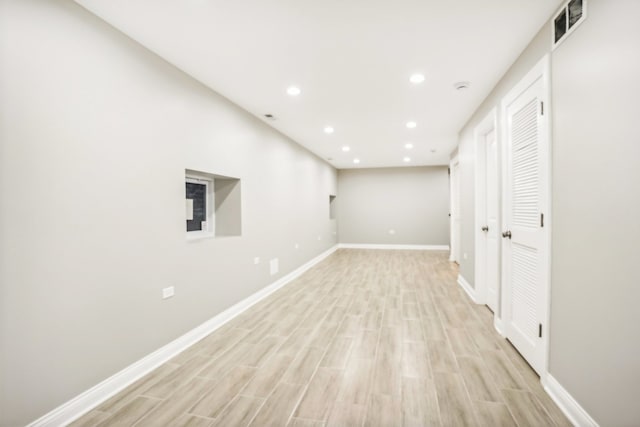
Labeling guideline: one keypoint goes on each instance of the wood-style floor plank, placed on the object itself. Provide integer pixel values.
(278, 408)
(239, 412)
(364, 338)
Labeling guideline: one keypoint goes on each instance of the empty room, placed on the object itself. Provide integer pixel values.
(313, 214)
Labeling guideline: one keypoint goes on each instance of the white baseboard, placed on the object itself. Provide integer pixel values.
(498, 324)
(83, 403)
(572, 409)
(467, 288)
(397, 247)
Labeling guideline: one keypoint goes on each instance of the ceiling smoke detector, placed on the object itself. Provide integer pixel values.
(461, 85)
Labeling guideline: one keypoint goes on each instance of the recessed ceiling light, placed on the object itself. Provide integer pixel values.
(356, 161)
(416, 78)
(346, 148)
(411, 125)
(407, 159)
(328, 129)
(293, 90)
(408, 146)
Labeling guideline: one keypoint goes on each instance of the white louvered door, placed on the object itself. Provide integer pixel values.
(526, 242)
(493, 234)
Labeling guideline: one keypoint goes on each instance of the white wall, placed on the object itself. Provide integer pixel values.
(96, 133)
(595, 340)
(594, 348)
(414, 202)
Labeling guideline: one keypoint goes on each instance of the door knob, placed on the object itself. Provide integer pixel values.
(507, 234)
(485, 228)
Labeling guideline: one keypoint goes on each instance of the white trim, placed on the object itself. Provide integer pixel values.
(499, 325)
(394, 247)
(571, 408)
(84, 402)
(482, 129)
(467, 288)
(546, 76)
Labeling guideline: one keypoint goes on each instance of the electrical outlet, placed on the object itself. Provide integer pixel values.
(273, 266)
(168, 292)
(256, 260)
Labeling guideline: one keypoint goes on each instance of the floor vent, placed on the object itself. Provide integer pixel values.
(567, 19)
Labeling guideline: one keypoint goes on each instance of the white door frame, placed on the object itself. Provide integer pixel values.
(541, 70)
(488, 124)
(454, 191)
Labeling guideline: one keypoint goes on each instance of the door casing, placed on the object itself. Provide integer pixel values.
(482, 130)
(454, 182)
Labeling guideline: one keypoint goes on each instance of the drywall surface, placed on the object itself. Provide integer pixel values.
(96, 133)
(595, 343)
(594, 346)
(406, 206)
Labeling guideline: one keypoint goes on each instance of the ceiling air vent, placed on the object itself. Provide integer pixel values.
(567, 19)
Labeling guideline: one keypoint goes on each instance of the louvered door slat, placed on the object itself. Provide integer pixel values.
(524, 137)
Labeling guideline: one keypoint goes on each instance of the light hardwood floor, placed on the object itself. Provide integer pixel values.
(365, 338)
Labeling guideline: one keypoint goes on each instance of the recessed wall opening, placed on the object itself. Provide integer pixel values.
(213, 205)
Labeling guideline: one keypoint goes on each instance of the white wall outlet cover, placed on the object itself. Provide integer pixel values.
(297, 246)
(392, 231)
(273, 266)
(168, 292)
(256, 260)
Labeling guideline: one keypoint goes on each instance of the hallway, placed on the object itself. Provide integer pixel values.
(367, 337)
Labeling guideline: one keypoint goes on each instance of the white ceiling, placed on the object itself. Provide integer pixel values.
(351, 59)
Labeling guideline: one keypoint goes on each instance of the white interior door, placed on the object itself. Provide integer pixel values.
(455, 212)
(492, 244)
(526, 248)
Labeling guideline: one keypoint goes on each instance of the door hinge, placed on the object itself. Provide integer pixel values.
(541, 108)
(540, 330)
(541, 220)
(448, 171)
